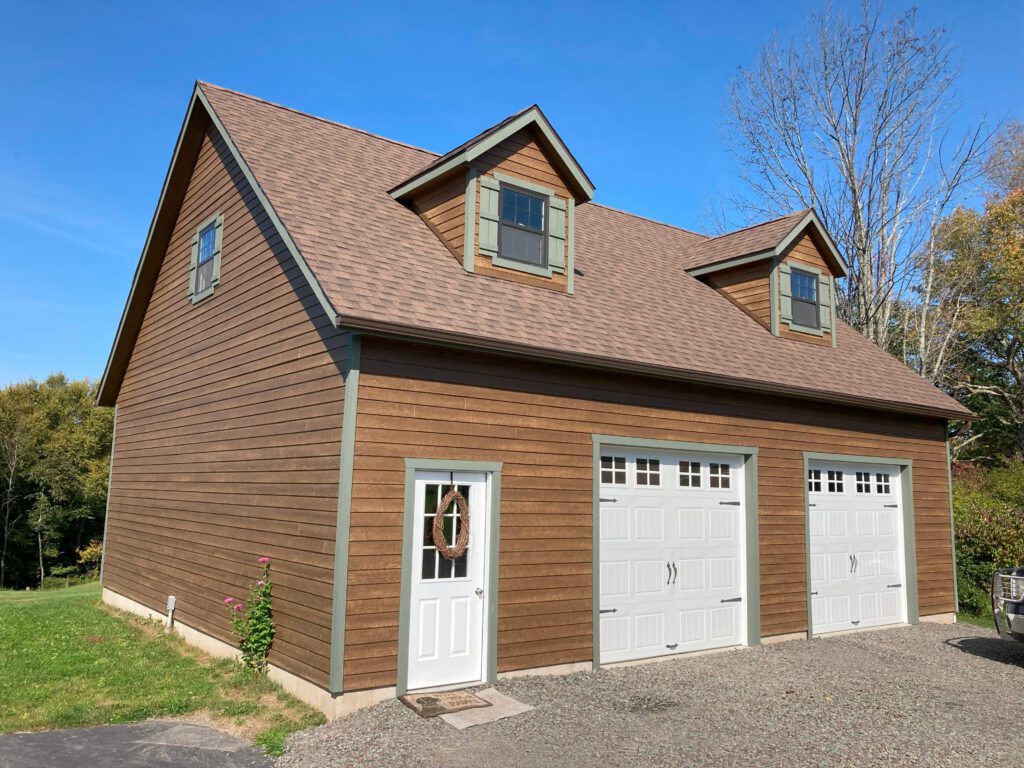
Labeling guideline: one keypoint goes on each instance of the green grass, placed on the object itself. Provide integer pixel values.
(68, 661)
(980, 620)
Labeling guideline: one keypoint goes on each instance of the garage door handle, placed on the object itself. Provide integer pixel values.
(609, 610)
(733, 600)
(891, 506)
(729, 503)
(673, 646)
(610, 501)
(892, 586)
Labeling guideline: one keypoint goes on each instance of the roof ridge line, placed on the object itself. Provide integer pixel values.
(311, 116)
(761, 224)
(652, 221)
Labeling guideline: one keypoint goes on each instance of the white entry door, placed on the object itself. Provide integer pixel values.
(447, 600)
(858, 574)
(672, 557)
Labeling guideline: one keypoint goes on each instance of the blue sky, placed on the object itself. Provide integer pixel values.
(94, 95)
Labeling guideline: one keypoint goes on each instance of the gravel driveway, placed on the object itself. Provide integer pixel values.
(929, 695)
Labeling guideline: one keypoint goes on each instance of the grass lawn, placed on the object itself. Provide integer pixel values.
(981, 620)
(69, 661)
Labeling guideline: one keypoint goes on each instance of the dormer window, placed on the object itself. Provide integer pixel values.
(521, 237)
(805, 298)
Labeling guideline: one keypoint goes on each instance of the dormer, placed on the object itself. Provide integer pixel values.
(782, 273)
(504, 202)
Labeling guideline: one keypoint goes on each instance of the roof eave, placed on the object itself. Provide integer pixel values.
(410, 333)
(532, 116)
(810, 219)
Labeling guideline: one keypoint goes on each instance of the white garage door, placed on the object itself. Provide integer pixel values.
(856, 531)
(671, 553)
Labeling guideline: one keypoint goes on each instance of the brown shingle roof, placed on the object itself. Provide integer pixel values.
(634, 305)
(742, 242)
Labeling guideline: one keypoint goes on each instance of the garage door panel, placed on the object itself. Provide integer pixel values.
(856, 546)
(684, 551)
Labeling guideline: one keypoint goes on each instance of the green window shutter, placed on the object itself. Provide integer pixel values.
(218, 244)
(556, 235)
(192, 265)
(825, 301)
(488, 217)
(785, 293)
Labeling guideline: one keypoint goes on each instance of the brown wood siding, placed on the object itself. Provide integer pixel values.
(417, 401)
(521, 156)
(443, 208)
(805, 251)
(748, 287)
(228, 432)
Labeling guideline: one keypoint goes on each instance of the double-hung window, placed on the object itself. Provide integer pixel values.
(204, 274)
(805, 298)
(521, 235)
(204, 263)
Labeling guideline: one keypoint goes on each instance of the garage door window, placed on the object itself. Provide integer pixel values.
(613, 470)
(835, 481)
(718, 475)
(882, 482)
(648, 472)
(814, 480)
(689, 474)
(863, 482)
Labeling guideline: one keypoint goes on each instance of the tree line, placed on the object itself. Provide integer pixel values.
(54, 467)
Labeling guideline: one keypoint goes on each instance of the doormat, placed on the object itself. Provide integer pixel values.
(502, 706)
(434, 704)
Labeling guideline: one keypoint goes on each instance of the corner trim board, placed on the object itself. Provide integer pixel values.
(493, 470)
(110, 477)
(344, 518)
(952, 528)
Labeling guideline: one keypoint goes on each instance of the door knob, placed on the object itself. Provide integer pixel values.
(479, 592)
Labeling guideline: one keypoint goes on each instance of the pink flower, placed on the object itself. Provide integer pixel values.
(237, 607)
(228, 600)
(263, 560)
(260, 583)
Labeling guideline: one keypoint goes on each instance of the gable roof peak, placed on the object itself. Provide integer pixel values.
(465, 153)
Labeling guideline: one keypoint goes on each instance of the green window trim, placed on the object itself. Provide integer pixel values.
(216, 221)
(781, 299)
(561, 219)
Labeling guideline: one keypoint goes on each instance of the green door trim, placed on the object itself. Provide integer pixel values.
(343, 521)
(493, 470)
(751, 534)
(909, 537)
(106, 514)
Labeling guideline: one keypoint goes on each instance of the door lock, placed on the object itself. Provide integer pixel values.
(479, 592)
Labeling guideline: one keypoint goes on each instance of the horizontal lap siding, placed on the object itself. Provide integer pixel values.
(228, 432)
(538, 420)
(444, 210)
(748, 288)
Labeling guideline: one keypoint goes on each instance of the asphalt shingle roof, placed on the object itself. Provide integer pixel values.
(634, 303)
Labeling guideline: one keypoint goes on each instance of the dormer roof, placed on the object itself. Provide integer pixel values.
(768, 239)
(466, 153)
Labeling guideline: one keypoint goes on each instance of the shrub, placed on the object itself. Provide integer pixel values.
(253, 621)
(988, 513)
(89, 556)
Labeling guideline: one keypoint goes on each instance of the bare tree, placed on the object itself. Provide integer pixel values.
(853, 120)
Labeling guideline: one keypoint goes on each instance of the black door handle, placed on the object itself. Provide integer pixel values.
(675, 572)
(668, 579)
(609, 610)
(673, 646)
